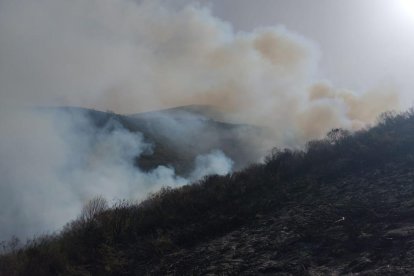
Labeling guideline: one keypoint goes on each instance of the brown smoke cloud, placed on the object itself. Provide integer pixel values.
(131, 56)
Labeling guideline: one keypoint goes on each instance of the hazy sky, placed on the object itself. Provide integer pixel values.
(363, 43)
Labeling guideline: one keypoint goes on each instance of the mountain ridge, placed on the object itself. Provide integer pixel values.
(180, 134)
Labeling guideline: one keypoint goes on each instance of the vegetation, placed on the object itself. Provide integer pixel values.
(160, 128)
(134, 238)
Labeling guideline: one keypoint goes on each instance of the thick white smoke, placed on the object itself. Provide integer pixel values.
(53, 162)
(213, 163)
(130, 56)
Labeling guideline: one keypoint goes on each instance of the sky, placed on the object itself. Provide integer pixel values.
(59, 49)
(364, 43)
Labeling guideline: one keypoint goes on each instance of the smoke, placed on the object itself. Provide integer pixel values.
(213, 163)
(131, 56)
(53, 161)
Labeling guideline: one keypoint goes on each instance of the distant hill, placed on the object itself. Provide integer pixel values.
(179, 134)
(206, 111)
(343, 206)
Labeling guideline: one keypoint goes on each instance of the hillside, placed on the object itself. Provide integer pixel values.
(344, 205)
(179, 134)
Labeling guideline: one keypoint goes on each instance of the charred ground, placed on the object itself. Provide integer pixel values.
(344, 205)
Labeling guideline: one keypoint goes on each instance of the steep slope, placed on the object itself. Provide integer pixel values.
(359, 224)
(182, 133)
(345, 205)
(179, 134)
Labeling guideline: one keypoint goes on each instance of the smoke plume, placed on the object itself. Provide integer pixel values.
(132, 56)
(53, 162)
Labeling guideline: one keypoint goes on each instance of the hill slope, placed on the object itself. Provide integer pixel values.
(179, 134)
(345, 205)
